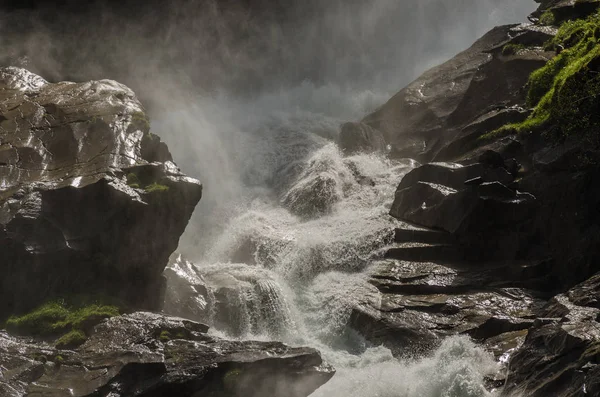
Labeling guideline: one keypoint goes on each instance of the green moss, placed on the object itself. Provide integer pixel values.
(512, 49)
(548, 18)
(71, 340)
(59, 359)
(564, 92)
(151, 136)
(165, 336)
(156, 187)
(45, 320)
(57, 318)
(133, 180)
(142, 119)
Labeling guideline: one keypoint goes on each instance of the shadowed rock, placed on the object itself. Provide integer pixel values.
(440, 103)
(89, 201)
(358, 137)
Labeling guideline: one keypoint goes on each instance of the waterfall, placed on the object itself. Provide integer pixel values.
(282, 245)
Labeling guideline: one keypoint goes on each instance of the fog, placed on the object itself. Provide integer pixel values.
(233, 87)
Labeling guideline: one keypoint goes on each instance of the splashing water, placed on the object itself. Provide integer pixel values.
(280, 246)
(291, 261)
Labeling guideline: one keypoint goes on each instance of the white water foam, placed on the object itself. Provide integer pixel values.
(267, 270)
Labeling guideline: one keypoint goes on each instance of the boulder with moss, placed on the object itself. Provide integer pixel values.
(71, 219)
(438, 107)
(150, 355)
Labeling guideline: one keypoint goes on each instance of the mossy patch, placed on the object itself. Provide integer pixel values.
(58, 318)
(512, 49)
(144, 182)
(165, 336)
(71, 340)
(133, 180)
(564, 93)
(156, 187)
(141, 119)
(548, 18)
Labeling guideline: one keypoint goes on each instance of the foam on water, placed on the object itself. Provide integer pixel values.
(282, 240)
(271, 274)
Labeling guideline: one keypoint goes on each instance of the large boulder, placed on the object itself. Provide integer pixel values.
(90, 201)
(460, 199)
(150, 355)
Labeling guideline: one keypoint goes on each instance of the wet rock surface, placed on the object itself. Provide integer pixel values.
(90, 201)
(441, 104)
(145, 354)
(560, 355)
(505, 237)
(428, 291)
(358, 137)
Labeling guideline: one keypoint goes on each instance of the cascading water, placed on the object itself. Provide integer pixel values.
(291, 259)
(282, 244)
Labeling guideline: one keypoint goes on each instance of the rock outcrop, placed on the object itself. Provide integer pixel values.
(358, 137)
(560, 354)
(478, 84)
(151, 355)
(506, 231)
(90, 201)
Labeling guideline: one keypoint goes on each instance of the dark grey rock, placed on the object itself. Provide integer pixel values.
(82, 210)
(512, 166)
(420, 303)
(359, 137)
(560, 357)
(151, 355)
(491, 158)
(445, 99)
(454, 175)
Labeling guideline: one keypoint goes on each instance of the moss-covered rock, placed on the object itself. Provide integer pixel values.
(564, 92)
(70, 340)
(58, 318)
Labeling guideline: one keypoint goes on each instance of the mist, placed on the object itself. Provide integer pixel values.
(240, 90)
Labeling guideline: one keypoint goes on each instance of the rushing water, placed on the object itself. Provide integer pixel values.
(282, 243)
(272, 268)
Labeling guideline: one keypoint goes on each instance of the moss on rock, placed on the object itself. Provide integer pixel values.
(564, 92)
(156, 187)
(70, 340)
(58, 318)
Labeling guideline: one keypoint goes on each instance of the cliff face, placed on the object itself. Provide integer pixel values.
(90, 201)
(508, 211)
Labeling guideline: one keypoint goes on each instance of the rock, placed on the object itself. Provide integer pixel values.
(453, 175)
(359, 137)
(421, 303)
(466, 145)
(82, 211)
(314, 197)
(445, 99)
(487, 218)
(474, 182)
(492, 159)
(566, 221)
(145, 354)
(435, 196)
(512, 166)
(559, 358)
